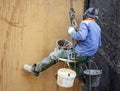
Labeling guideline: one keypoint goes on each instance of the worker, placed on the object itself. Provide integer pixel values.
(88, 41)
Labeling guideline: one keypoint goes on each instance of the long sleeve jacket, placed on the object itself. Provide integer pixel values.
(88, 38)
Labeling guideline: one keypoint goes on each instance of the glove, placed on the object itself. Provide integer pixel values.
(71, 29)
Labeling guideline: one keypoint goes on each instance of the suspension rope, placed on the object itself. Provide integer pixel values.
(73, 23)
(71, 3)
(89, 64)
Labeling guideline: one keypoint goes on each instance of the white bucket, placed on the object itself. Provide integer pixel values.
(65, 77)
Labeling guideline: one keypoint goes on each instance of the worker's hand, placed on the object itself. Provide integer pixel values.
(71, 29)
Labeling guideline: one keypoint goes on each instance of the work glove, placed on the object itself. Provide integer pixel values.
(71, 29)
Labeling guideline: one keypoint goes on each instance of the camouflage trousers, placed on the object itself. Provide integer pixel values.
(51, 59)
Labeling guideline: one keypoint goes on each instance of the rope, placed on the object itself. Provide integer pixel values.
(89, 76)
(71, 3)
(72, 20)
(57, 87)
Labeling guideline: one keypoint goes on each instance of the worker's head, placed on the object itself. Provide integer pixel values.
(91, 13)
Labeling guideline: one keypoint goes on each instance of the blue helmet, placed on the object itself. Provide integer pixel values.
(91, 13)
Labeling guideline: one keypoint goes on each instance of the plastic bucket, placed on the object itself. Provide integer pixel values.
(66, 77)
(63, 44)
(95, 77)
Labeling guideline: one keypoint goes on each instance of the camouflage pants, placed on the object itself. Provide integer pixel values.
(51, 59)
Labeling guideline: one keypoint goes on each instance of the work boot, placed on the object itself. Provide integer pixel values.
(31, 69)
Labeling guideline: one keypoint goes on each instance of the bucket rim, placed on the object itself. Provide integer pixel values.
(93, 72)
(72, 71)
(64, 43)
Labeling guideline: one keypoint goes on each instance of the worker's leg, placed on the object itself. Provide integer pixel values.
(50, 60)
(79, 70)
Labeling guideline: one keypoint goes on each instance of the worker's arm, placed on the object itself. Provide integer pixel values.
(81, 34)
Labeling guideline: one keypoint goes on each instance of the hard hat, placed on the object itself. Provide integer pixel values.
(91, 13)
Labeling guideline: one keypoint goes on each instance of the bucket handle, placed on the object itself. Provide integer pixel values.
(94, 64)
(81, 65)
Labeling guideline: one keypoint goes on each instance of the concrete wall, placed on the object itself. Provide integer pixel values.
(28, 32)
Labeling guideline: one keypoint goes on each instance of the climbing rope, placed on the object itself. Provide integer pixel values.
(74, 24)
(89, 64)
